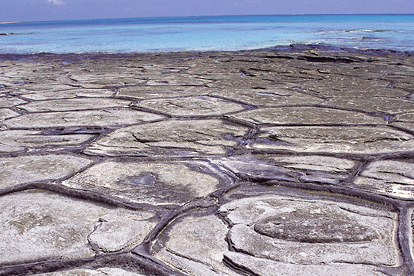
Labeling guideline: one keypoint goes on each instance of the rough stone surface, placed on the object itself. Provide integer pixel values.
(394, 178)
(271, 97)
(291, 160)
(306, 116)
(308, 232)
(7, 113)
(350, 139)
(27, 140)
(72, 93)
(192, 106)
(174, 137)
(73, 104)
(108, 117)
(33, 168)
(152, 182)
(94, 272)
(49, 225)
(202, 251)
(265, 267)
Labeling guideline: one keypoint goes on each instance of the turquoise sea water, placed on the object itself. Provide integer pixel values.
(205, 33)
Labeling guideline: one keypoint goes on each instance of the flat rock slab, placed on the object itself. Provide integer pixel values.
(313, 168)
(145, 182)
(161, 91)
(104, 271)
(73, 104)
(350, 139)
(195, 245)
(266, 267)
(192, 106)
(104, 118)
(35, 168)
(39, 225)
(72, 93)
(372, 104)
(393, 178)
(172, 137)
(268, 97)
(306, 116)
(6, 113)
(299, 231)
(28, 140)
(10, 101)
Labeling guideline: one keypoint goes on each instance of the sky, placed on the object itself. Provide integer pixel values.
(48, 10)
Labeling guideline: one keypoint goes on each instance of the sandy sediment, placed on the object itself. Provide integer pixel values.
(283, 161)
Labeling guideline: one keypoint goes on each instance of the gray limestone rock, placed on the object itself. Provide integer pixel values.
(312, 232)
(104, 271)
(35, 168)
(393, 178)
(74, 104)
(172, 137)
(10, 101)
(306, 116)
(107, 118)
(39, 225)
(192, 106)
(6, 113)
(372, 104)
(266, 267)
(161, 91)
(196, 245)
(318, 139)
(312, 168)
(71, 93)
(145, 182)
(268, 97)
(27, 140)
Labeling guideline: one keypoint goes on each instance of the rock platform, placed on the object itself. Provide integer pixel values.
(293, 161)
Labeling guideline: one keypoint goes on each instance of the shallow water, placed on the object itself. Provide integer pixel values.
(208, 33)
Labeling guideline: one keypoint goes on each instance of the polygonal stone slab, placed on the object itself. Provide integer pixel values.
(302, 231)
(6, 113)
(40, 225)
(314, 168)
(25, 140)
(34, 168)
(372, 104)
(195, 245)
(104, 271)
(152, 182)
(72, 93)
(152, 91)
(192, 106)
(73, 104)
(107, 118)
(266, 267)
(268, 97)
(306, 116)
(172, 137)
(338, 139)
(10, 101)
(394, 178)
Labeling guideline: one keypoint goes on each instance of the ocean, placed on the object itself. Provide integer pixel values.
(208, 33)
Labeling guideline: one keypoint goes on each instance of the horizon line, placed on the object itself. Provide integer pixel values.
(218, 15)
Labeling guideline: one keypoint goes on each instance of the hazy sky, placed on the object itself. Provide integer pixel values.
(40, 10)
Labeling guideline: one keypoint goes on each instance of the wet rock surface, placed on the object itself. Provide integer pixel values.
(268, 162)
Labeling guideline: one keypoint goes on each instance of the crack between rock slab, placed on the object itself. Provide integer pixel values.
(191, 259)
(93, 246)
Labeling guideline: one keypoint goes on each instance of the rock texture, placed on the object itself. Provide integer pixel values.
(282, 161)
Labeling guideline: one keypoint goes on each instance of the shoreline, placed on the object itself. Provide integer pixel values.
(294, 48)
